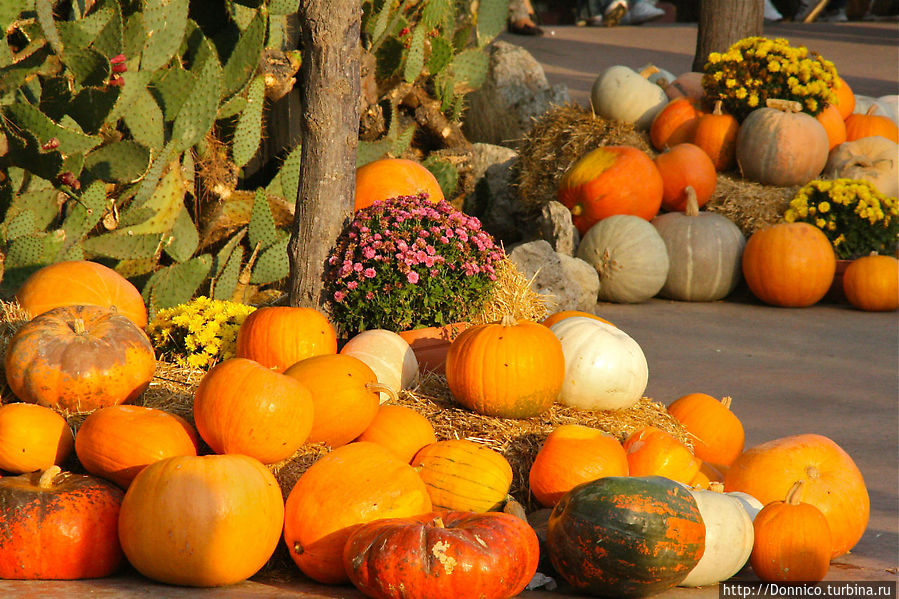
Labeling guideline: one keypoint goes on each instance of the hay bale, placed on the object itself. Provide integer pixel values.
(512, 294)
(751, 206)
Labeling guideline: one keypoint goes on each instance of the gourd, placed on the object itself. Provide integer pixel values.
(351, 485)
(510, 369)
(620, 93)
(686, 166)
(872, 283)
(605, 369)
(201, 521)
(874, 159)
(859, 125)
(779, 145)
(716, 432)
(652, 451)
(32, 438)
(630, 257)
(388, 355)
(400, 429)
(675, 113)
(392, 177)
(625, 536)
(280, 336)
(447, 556)
(704, 252)
(79, 358)
(240, 406)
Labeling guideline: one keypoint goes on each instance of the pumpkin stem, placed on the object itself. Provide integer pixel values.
(650, 69)
(794, 493)
(692, 208)
(812, 472)
(514, 508)
(726, 401)
(437, 522)
(46, 480)
(78, 325)
(783, 105)
(297, 548)
(577, 210)
(872, 109)
(719, 108)
(508, 320)
(379, 387)
(717, 486)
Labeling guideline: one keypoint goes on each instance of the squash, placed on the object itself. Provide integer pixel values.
(79, 358)
(780, 145)
(874, 159)
(621, 94)
(750, 504)
(859, 125)
(388, 355)
(704, 252)
(630, 257)
(32, 438)
(716, 432)
(449, 556)
(280, 336)
(675, 113)
(651, 451)
(872, 283)
(201, 521)
(510, 369)
(686, 166)
(400, 429)
(605, 369)
(625, 536)
(387, 178)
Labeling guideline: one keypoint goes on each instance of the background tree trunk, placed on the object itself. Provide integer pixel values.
(724, 22)
(329, 85)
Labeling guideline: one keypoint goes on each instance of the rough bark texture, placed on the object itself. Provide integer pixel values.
(329, 85)
(724, 22)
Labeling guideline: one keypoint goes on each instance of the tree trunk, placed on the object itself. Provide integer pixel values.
(329, 85)
(723, 23)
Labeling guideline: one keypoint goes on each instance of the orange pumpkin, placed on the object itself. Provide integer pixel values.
(845, 101)
(708, 475)
(833, 125)
(832, 482)
(869, 124)
(400, 429)
(563, 314)
(716, 134)
(791, 541)
(789, 264)
(32, 438)
(510, 370)
(345, 488)
(573, 454)
(611, 180)
(652, 451)
(872, 283)
(392, 177)
(717, 434)
(279, 336)
(243, 407)
(345, 396)
(81, 282)
(117, 442)
(79, 358)
(682, 166)
(672, 116)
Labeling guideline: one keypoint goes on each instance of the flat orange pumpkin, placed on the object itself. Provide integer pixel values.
(393, 177)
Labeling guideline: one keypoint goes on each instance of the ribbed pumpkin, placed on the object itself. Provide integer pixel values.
(872, 283)
(686, 166)
(704, 252)
(201, 521)
(400, 429)
(789, 264)
(859, 125)
(79, 358)
(81, 282)
(58, 526)
(833, 125)
(392, 177)
(279, 336)
(349, 486)
(845, 101)
(874, 159)
(611, 180)
(717, 434)
(510, 369)
(117, 442)
(32, 438)
(651, 451)
(462, 475)
(450, 556)
(573, 454)
(626, 536)
(630, 257)
(716, 133)
(388, 355)
(672, 116)
(563, 314)
(832, 481)
(345, 396)
(779, 145)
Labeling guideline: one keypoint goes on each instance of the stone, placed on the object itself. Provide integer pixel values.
(555, 226)
(568, 283)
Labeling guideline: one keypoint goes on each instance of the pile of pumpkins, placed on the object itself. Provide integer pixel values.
(640, 217)
(389, 508)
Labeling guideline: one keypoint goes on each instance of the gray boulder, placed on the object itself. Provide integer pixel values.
(555, 226)
(568, 283)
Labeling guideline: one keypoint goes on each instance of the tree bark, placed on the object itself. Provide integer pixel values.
(723, 23)
(329, 83)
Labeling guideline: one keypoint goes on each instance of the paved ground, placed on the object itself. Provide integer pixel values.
(827, 369)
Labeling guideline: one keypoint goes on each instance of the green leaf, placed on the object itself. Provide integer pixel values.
(248, 132)
(415, 57)
(225, 281)
(83, 215)
(178, 283)
(272, 264)
(262, 228)
(122, 246)
(165, 24)
(198, 113)
(11, 9)
(492, 16)
(92, 106)
(82, 32)
(441, 55)
(28, 117)
(283, 7)
(245, 57)
(145, 121)
(44, 10)
(118, 162)
(87, 65)
(183, 239)
(369, 151)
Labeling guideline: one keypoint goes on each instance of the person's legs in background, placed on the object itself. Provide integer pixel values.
(521, 18)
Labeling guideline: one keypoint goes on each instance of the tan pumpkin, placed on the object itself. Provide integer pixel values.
(687, 85)
(874, 159)
(388, 355)
(872, 283)
(32, 438)
(780, 145)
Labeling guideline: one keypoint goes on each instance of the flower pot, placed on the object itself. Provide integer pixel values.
(835, 293)
(430, 345)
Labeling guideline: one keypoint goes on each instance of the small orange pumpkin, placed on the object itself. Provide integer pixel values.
(672, 116)
(652, 451)
(845, 101)
(32, 438)
(872, 283)
(716, 431)
(400, 429)
(716, 134)
(392, 177)
(279, 336)
(860, 125)
(833, 124)
(682, 166)
(563, 314)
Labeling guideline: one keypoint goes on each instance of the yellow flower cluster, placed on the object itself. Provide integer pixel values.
(757, 68)
(856, 217)
(199, 333)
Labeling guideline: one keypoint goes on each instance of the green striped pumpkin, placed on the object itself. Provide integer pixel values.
(464, 476)
(626, 536)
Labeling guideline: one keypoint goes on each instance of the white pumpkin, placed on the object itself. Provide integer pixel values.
(629, 255)
(874, 159)
(605, 369)
(620, 93)
(388, 355)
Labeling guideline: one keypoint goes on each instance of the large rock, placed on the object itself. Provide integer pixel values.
(515, 92)
(556, 227)
(569, 283)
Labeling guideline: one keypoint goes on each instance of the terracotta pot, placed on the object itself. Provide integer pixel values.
(430, 345)
(835, 293)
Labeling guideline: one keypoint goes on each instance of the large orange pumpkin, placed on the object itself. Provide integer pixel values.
(79, 358)
(279, 336)
(845, 101)
(392, 177)
(832, 481)
(869, 124)
(717, 434)
(611, 180)
(345, 488)
(400, 429)
(117, 442)
(872, 283)
(686, 166)
(653, 452)
(789, 264)
(32, 438)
